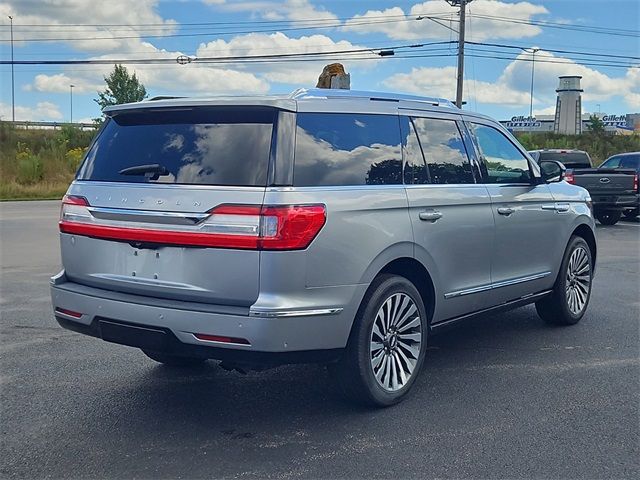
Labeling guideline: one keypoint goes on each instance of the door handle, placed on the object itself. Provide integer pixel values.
(506, 211)
(430, 216)
(558, 207)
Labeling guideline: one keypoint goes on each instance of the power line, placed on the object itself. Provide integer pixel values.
(351, 24)
(125, 61)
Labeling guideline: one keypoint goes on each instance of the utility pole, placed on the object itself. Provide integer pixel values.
(462, 4)
(71, 100)
(13, 83)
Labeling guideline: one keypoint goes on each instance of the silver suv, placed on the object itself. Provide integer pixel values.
(325, 226)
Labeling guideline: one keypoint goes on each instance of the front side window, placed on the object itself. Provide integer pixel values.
(334, 149)
(504, 162)
(444, 151)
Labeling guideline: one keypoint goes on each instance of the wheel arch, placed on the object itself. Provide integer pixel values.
(416, 273)
(585, 232)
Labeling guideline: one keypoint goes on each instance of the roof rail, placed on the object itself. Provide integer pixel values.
(379, 96)
(162, 97)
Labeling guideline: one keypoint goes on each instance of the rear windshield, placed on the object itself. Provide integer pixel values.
(569, 159)
(193, 146)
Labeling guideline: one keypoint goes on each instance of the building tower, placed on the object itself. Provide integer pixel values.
(568, 118)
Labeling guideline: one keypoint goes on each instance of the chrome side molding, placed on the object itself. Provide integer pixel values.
(491, 286)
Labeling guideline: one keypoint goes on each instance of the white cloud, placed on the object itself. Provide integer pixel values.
(478, 29)
(43, 111)
(512, 87)
(276, 10)
(59, 83)
(596, 85)
(544, 111)
(61, 13)
(441, 82)
(303, 73)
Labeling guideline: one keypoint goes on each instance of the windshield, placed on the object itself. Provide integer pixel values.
(568, 159)
(210, 146)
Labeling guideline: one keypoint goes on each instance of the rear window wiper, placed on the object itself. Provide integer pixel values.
(152, 171)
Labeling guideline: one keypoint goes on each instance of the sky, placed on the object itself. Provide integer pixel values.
(597, 39)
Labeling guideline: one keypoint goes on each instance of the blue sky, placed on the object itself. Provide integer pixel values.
(86, 29)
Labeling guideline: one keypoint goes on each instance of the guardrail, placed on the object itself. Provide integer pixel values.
(52, 125)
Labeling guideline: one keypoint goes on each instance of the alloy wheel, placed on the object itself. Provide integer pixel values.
(578, 282)
(396, 340)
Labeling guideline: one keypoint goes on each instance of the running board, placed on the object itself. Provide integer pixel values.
(520, 302)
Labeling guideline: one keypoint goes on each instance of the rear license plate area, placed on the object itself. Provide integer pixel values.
(134, 335)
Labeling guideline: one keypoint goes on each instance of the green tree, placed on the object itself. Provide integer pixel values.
(595, 125)
(121, 88)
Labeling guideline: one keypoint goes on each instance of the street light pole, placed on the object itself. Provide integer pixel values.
(533, 69)
(13, 83)
(71, 100)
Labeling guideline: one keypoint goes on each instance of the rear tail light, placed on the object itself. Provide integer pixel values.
(249, 227)
(221, 339)
(569, 178)
(635, 182)
(69, 313)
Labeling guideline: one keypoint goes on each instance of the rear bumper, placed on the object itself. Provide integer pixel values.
(150, 323)
(608, 202)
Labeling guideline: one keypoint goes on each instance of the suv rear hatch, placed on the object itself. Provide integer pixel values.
(167, 204)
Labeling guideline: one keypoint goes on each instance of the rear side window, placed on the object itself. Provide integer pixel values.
(444, 151)
(201, 146)
(347, 149)
(504, 162)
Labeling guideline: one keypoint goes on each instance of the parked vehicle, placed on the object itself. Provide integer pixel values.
(326, 226)
(613, 191)
(626, 161)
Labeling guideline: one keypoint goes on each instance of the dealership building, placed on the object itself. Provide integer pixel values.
(568, 117)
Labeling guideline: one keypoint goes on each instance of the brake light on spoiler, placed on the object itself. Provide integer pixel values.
(248, 227)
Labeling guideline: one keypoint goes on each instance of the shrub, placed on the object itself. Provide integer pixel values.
(74, 157)
(30, 169)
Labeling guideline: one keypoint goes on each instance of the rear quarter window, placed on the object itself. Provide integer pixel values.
(334, 149)
(195, 146)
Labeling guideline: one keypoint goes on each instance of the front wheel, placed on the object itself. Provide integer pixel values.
(610, 217)
(572, 290)
(387, 345)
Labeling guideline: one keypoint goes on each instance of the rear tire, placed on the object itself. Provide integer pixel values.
(632, 213)
(174, 360)
(572, 290)
(387, 344)
(609, 218)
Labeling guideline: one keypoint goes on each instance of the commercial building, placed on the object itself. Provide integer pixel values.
(568, 118)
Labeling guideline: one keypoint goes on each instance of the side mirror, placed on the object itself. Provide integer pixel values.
(552, 171)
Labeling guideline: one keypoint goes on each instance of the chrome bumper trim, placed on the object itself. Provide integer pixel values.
(293, 313)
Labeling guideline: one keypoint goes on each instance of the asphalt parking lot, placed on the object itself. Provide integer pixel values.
(503, 397)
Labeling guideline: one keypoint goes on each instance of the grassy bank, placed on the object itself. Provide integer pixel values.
(36, 164)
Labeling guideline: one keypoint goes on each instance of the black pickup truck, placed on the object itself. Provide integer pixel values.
(612, 190)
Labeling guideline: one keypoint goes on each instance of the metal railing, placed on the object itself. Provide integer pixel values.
(27, 125)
